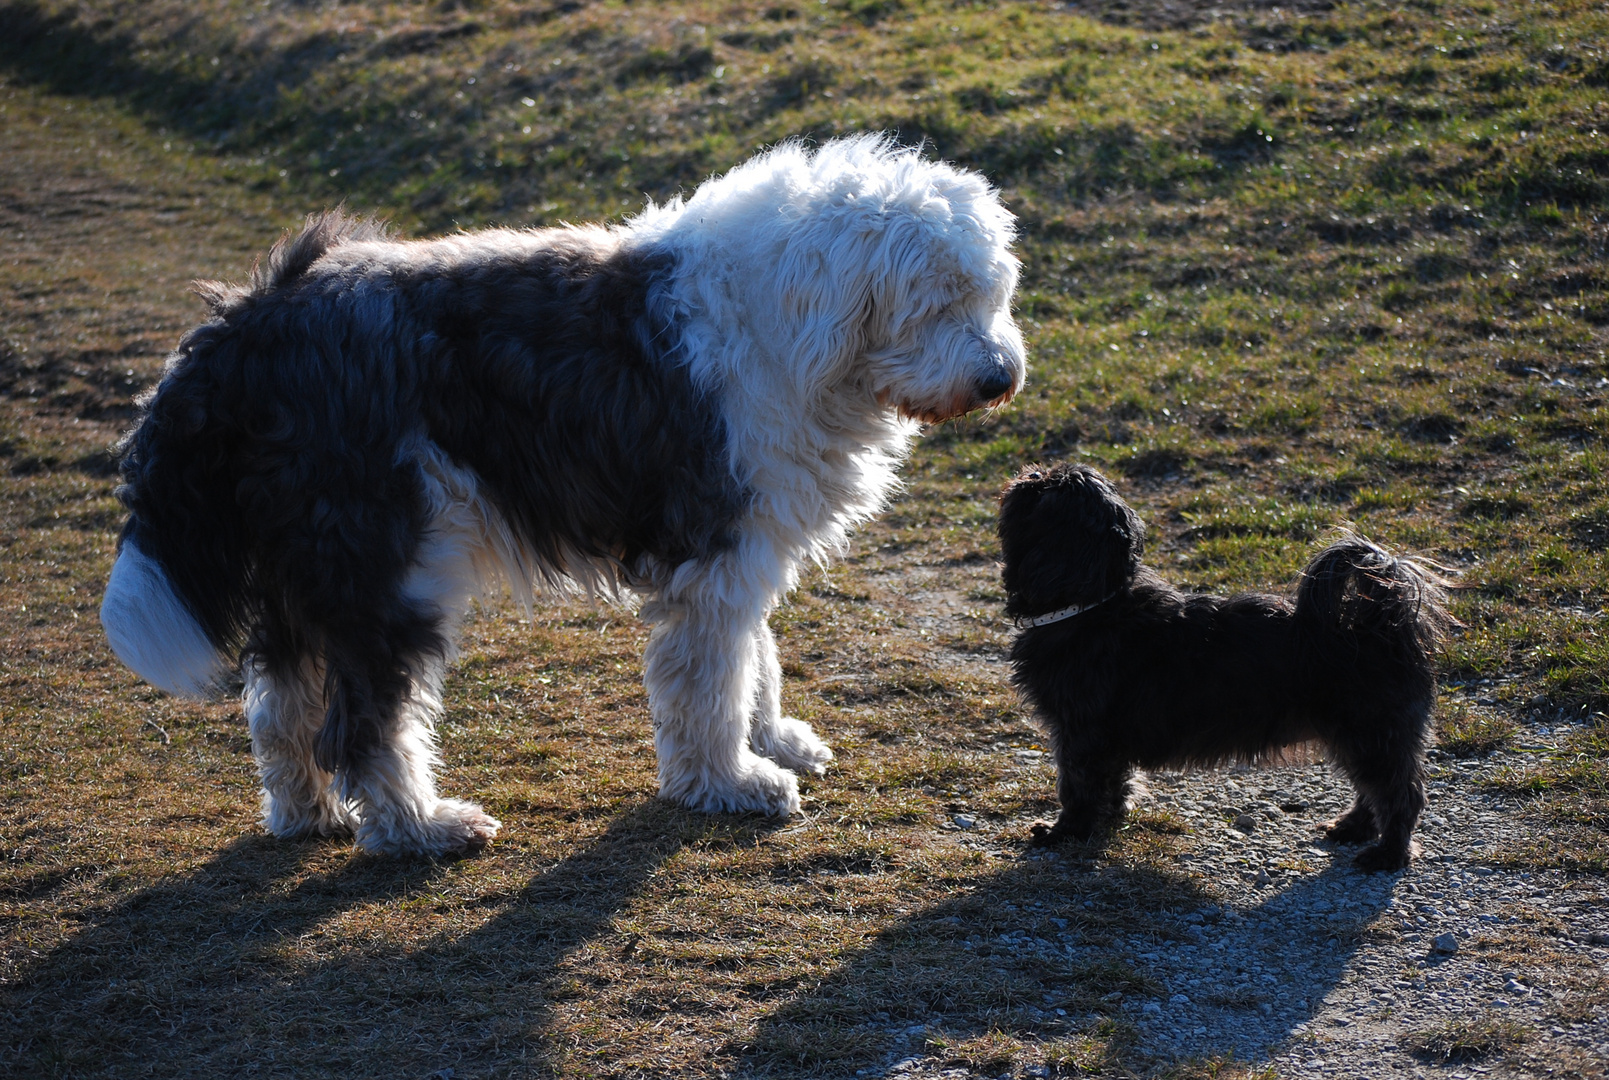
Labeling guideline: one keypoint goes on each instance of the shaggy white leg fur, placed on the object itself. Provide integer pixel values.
(395, 788)
(285, 716)
(788, 741)
(396, 792)
(700, 672)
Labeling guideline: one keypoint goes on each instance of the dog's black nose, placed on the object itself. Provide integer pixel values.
(994, 385)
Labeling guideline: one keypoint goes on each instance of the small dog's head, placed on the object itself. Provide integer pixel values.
(1067, 537)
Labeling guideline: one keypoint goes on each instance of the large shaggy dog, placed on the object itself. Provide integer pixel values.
(1126, 670)
(687, 407)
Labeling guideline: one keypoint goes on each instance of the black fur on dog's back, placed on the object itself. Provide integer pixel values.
(280, 437)
(1153, 677)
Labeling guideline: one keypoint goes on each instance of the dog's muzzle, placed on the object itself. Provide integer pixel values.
(991, 392)
(997, 389)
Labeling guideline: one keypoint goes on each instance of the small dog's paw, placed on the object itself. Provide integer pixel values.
(1043, 835)
(1380, 859)
(795, 745)
(1060, 833)
(1351, 828)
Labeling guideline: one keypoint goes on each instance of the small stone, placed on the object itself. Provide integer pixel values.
(1152, 1008)
(1445, 943)
(1179, 999)
(1245, 823)
(965, 821)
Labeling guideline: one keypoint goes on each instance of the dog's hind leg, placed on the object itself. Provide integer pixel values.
(284, 712)
(788, 741)
(1389, 775)
(701, 671)
(1397, 799)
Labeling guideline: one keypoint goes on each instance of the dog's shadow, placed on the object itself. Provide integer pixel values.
(251, 957)
(1059, 950)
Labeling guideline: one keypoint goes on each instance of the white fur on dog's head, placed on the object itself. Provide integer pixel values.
(862, 265)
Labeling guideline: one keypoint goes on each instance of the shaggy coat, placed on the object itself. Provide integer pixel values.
(686, 408)
(1141, 674)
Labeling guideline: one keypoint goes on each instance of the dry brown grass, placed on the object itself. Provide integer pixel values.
(1251, 386)
(150, 927)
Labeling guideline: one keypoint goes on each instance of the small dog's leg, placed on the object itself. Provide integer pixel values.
(788, 741)
(1398, 798)
(1356, 826)
(700, 673)
(284, 715)
(1090, 793)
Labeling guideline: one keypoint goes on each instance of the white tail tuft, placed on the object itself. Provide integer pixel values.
(151, 630)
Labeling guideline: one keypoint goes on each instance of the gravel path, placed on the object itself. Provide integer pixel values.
(1305, 964)
(1300, 962)
(1321, 968)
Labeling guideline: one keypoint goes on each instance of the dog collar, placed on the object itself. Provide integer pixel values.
(1060, 613)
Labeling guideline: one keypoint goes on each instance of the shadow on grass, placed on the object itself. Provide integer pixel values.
(251, 964)
(57, 52)
(1107, 968)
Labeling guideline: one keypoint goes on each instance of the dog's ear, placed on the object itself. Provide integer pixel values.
(1067, 538)
(826, 302)
(839, 281)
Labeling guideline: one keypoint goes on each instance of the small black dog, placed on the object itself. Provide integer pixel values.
(1128, 671)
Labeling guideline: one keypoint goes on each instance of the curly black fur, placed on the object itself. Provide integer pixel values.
(1155, 678)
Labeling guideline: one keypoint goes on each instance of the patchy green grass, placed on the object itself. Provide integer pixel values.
(1285, 270)
(1467, 732)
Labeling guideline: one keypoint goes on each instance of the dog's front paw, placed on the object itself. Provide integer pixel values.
(768, 789)
(1050, 835)
(1354, 827)
(325, 815)
(465, 827)
(794, 744)
(1383, 858)
(1044, 835)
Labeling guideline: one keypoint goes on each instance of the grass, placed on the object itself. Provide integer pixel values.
(1468, 1040)
(1467, 732)
(1284, 270)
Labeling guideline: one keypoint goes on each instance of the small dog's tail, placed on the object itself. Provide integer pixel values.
(1358, 587)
